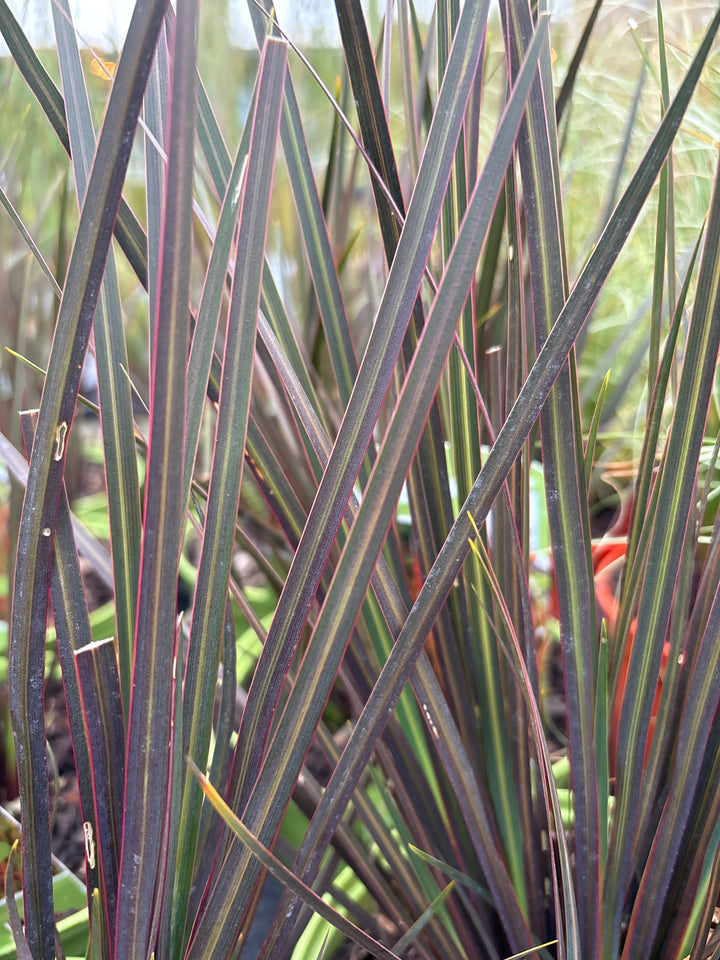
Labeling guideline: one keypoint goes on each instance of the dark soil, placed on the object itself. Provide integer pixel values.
(67, 823)
(67, 839)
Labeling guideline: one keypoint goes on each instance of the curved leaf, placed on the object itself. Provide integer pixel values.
(45, 474)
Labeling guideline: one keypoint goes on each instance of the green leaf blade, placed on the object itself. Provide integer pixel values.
(563, 465)
(222, 505)
(673, 511)
(47, 460)
(111, 358)
(147, 767)
(98, 679)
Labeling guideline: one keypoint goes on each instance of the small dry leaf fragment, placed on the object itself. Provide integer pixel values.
(102, 68)
(60, 434)
(89, 844)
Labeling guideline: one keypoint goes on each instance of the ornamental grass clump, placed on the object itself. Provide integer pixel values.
(380, 435)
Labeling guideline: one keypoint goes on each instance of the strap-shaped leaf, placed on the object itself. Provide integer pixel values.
(566, 91)
(98, 679)
(541, 378)
(147, 770)
(226, 175)
(201, 357)
(116, 414)
(371, 523)
(427, 483)
(372, 383)
(343, 601)
(45, 475)
(31, 245)
(271, 863)
(372, 119)
(674, 506)
(314, 230)
(72, 629)
(563, 466)
(511, 556)
(224, 492)
(155, 110)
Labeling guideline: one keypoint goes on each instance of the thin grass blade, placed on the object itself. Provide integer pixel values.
(566, 91)
(404, 942)
(116, 413)
(32, 246)
(47, 462)
(155, 111)
(313, 228)
(371, 386)
(348, 587)
(336, 485)
(72, 630)
(285, 876)
(550, 360)
(563, 466)
(98, 678)
(676, 490)
(224, 492)
(147, 768)
(88, 545)
(593, 430)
